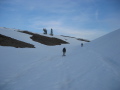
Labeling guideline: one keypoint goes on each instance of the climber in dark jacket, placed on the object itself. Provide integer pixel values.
(81, 44)
(64, 51)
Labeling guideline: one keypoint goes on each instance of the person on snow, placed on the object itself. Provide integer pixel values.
(81, 44)
(64, 51)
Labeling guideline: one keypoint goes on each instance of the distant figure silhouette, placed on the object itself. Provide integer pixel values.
(81, 44)
(64, 51)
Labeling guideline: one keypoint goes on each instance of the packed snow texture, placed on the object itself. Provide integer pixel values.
(95, 66)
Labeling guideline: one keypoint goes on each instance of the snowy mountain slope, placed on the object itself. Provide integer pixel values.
(44, 67)
(13, 33)
(41, 38)
(109, 47)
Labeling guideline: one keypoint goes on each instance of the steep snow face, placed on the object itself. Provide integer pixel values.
(103, 60)
(109, 47)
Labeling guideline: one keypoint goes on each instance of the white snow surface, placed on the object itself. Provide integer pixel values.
(96, 66)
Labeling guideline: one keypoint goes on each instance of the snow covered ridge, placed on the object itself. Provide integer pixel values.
(51, 41)
(81, 39)
(40, 38)
(8, 41)
(109, 47)
(12, 41)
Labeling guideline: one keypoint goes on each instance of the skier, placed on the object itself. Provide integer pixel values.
(81, 44)
(64, 51)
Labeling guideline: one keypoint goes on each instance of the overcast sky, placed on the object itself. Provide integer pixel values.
(87, 19)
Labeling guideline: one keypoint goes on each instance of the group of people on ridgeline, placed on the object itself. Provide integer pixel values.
(64, 49)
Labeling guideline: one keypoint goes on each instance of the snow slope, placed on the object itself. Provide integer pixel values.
(92, 67)
(109, 48)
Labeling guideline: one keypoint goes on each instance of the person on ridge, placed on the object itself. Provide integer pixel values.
(64, 51)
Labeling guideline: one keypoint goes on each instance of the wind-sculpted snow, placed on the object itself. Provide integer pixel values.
(44, 67)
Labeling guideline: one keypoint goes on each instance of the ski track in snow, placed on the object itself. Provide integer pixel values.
(106, 63)
(25, 69)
